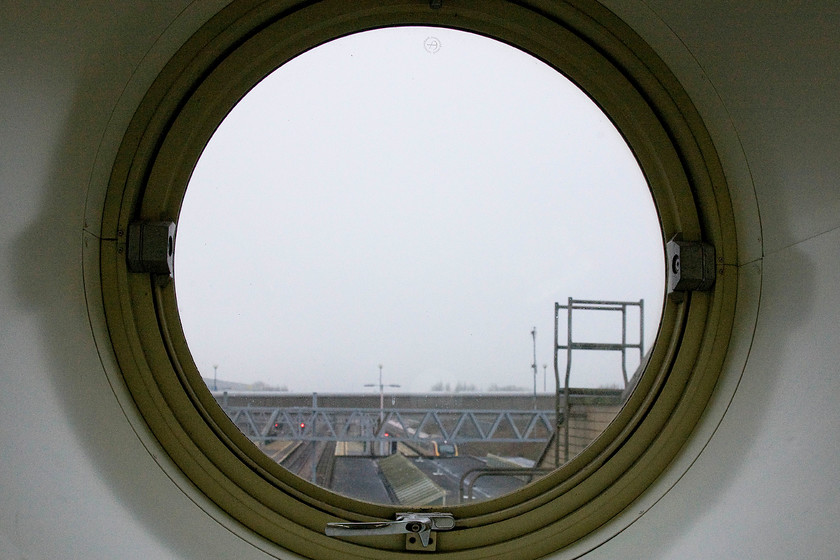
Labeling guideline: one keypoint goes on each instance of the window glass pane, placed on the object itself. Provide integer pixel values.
(370, 252)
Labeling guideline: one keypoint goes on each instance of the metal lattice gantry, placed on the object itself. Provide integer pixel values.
(265, 424)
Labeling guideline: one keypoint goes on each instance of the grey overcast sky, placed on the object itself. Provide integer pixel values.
(417, 198)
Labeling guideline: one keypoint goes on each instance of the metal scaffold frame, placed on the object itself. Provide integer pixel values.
(571, 344)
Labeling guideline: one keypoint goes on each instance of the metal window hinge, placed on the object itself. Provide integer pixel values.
(691, 266)
(419, 528)
(151, 247)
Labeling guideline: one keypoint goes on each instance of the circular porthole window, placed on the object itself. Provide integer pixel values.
(421, 234)
(379, 201)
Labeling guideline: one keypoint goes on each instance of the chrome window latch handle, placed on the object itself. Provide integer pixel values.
(416, 526)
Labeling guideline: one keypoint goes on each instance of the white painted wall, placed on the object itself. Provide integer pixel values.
(765, 486)
(758, 480)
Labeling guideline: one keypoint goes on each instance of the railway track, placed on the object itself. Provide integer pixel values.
(310, 460)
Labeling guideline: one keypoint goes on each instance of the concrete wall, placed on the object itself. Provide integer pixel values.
(440, 401)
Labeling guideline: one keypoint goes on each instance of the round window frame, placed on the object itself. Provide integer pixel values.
(587, 43)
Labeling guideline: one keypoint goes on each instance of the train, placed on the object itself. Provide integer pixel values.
(431, 448)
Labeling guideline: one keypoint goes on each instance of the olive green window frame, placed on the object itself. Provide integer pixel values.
(196, 89)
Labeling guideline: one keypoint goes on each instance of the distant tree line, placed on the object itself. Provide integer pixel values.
(442, 387)
(260, 386)
(222, 385)
(510, 388)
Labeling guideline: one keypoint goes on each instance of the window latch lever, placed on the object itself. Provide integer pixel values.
(417, 527)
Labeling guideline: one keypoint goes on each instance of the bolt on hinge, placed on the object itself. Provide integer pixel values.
(691, 265)
(419, 528)
(151, 247)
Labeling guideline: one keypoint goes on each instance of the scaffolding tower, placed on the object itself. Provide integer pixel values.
(572, 344)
